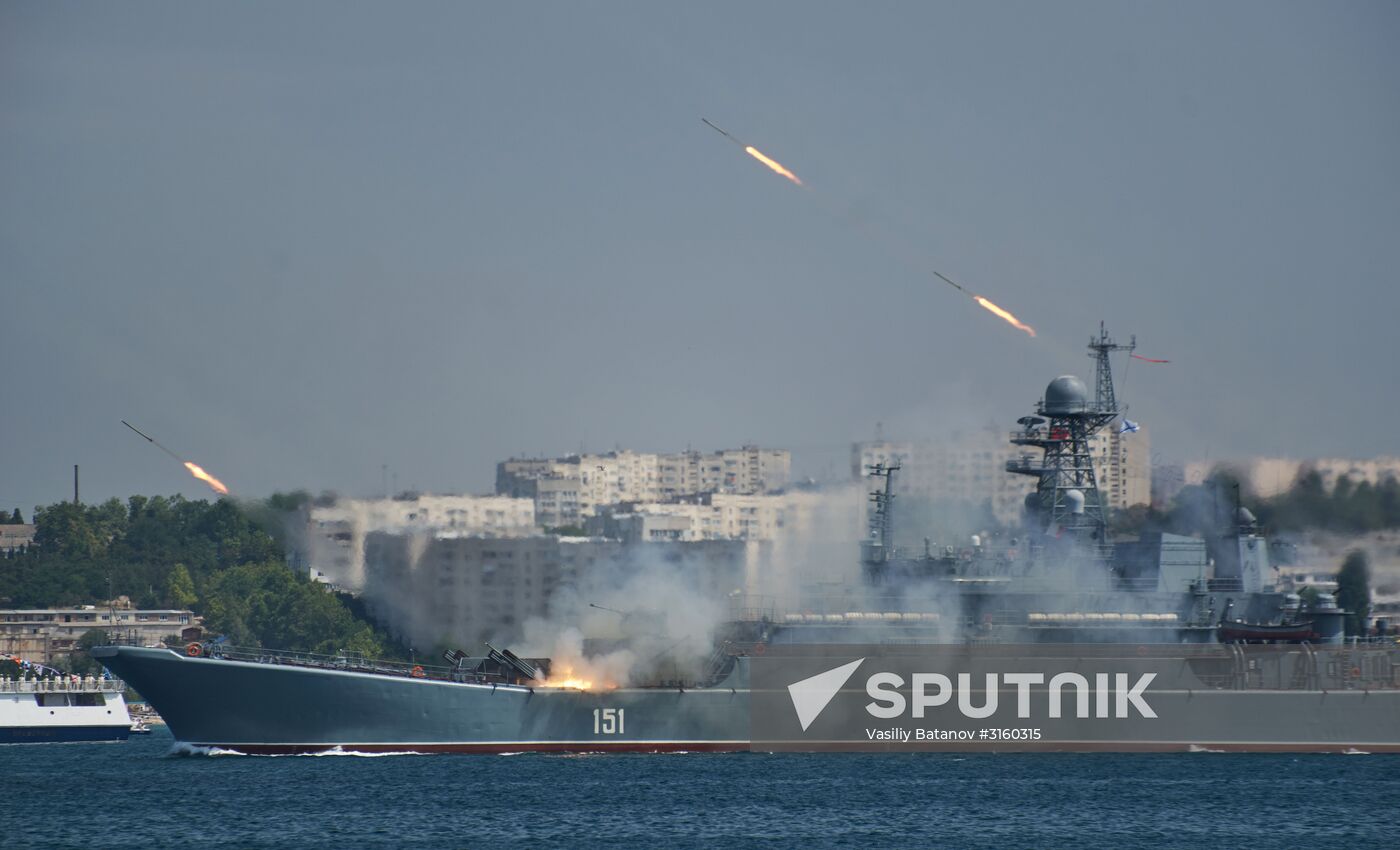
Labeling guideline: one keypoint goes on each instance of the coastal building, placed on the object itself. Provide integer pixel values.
(1123, 467)
(44, 634)
(14, 538)
(333, 549)
(719, 516)
(568, 490)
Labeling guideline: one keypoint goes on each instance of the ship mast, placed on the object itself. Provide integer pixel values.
(878, 546)
(1099, 348)
(1067, 502)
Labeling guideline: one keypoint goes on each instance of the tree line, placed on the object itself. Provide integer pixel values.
(221, 559)
(1208, 508)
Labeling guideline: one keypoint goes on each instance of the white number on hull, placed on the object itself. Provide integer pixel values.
(609, 721)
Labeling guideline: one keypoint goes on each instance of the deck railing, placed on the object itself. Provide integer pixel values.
(349, 661)
(60, 685)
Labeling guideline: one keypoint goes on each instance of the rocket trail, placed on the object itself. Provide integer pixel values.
(152, 441)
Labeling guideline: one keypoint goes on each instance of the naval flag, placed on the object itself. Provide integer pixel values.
(1128, 426)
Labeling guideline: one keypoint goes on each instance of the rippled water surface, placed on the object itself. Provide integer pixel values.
(145, 794)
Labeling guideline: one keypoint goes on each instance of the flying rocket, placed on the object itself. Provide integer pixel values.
(773, 165)
(152, 441)
(725, 133)
(952, 283)
(194, 469)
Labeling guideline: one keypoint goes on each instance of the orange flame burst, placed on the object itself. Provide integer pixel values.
(571, 683)
(579, 680)
(214, 484)
(1015, 322)
(771, 163)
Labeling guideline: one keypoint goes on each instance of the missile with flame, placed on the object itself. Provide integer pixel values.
(987, 303)
(194, 469)
(773, 164)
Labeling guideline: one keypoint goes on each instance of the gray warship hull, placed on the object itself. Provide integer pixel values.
(1305, 700)
(257, 707)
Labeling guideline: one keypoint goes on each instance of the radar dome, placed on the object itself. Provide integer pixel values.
(1066, 395)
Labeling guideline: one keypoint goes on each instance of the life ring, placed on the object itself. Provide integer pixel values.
(1356, 672)
(759, 648)
(417, 672)
(193, 650)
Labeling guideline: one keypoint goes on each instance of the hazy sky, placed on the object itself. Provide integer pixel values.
(295, 242)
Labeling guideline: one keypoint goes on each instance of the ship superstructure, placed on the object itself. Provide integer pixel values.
(1059, 577)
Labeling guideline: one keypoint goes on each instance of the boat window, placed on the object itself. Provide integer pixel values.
(51, 700)
(88, 699)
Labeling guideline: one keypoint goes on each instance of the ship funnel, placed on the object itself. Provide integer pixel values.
(1074, 500)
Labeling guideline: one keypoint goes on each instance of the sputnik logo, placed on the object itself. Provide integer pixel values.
(811, 695)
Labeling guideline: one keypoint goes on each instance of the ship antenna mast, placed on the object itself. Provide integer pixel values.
(881, 529)
(1099, 349)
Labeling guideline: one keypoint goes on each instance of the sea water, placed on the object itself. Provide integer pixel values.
(150, 793)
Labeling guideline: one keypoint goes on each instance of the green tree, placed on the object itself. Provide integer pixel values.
(269, 605)
(179, 588)
(216, 558)
(1388, 496)
(1354, 591)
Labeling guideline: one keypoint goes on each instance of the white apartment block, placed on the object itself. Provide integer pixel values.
(743, 471)
(336, 533)
(568, 490)
(1270, 476)
(1123, 467)
(971, 467)
(718, 516)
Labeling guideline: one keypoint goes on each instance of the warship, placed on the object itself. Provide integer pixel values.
(1225, 658)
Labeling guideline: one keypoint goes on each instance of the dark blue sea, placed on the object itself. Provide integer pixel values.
(145, 794)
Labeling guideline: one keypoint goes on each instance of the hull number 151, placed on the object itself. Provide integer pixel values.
(609, 721)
